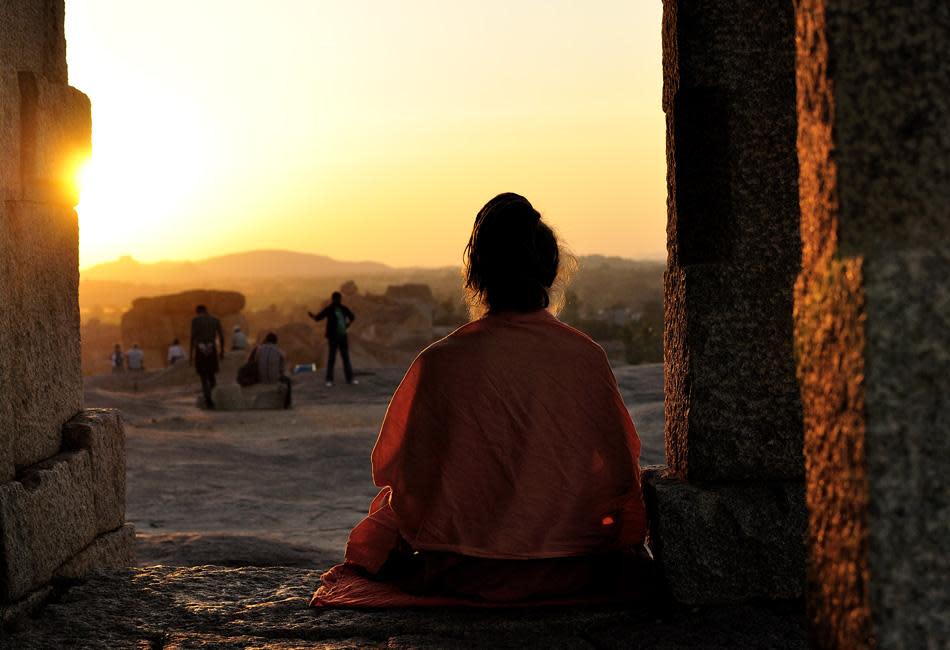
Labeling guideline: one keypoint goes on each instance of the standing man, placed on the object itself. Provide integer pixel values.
(338, 318)
(205, 330)
(135, 359)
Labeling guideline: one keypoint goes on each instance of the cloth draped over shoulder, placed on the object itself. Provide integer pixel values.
(506, 440)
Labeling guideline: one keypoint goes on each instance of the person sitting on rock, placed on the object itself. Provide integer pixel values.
(135, 360)
(238, 339)
(271, 363)
(507, 461)
(175, 353)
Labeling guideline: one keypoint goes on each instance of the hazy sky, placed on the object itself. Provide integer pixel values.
(366, 129)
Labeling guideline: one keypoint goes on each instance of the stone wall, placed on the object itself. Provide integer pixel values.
(733, 411)
(62, 488)
(873, 319)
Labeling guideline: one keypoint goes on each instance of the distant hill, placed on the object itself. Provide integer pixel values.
(259, 265)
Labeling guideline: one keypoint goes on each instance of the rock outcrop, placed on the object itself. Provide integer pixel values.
(232, 397)
(154, 322)
(215, 607)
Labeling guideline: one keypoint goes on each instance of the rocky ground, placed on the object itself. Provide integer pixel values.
(266, 607)
(264, 488)
(264, 501)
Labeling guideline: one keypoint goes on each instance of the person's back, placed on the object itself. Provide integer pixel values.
(238, 339)
(136, 358)
(525, 410)
(508, 462)
(175, 353)
(270, 363)
(203, 328)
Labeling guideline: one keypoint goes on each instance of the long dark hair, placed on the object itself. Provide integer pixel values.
(513, 260)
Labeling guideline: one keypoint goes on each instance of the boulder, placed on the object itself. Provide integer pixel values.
(266, 607)
(732, 543)
(232, 397)
(46, 517)
(155, 321)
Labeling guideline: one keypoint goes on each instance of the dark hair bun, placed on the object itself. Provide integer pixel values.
(512, 256)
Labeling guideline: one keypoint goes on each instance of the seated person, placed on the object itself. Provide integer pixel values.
(270, 365)
(238, 339)
(508, 462)
(176, 353)
(136, 358)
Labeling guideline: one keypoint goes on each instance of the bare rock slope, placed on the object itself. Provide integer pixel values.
(215, 607)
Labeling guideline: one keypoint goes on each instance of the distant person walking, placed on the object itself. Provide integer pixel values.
(175, 353)
(135, 360)
(338, 318)
(238, 339)
(117, 359)
(203, 352)
(271, 363)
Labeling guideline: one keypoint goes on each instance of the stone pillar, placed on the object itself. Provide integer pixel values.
(733, 410)
(62, 490)
(872, 318)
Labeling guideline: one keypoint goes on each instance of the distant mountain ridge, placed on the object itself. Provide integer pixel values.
(258, 264)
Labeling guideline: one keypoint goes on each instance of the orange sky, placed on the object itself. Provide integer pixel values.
(366, 129)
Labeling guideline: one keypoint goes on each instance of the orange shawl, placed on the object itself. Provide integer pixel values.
(508, 439)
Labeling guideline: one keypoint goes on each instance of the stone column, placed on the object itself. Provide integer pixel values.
(872, 318)
(733, 411)
(62, 489)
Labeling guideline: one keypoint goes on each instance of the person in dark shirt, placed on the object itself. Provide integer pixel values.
(203, 351)
(338, 318)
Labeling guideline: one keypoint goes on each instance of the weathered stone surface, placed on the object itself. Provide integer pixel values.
(232, 397)
(56, 129)
(41, 382)
(9, 134)
(873, 319)
(46, 517)
(733, 411)
(100, 431)
(32, 37)
(112, 550)
(266, 607)
(10, 613)
(732, 238)
(728, 544)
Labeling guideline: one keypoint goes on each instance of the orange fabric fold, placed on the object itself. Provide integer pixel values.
(508, 439)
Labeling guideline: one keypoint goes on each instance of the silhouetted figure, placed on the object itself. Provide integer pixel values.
(338, 318)
(508, 462)
(175, 353)
(238, 339)
(135, 359)
(117, 359)
(271, 363)
(203, 350)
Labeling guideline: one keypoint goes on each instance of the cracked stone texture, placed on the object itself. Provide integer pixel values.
(873, 318)
(720, 544)
(101, 432)
(46, 517)
(32, 37)
(733, 410)
(41, 382)
(214, 607)
(9, 134)
(112, 550)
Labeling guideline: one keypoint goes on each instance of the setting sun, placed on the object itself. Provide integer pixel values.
(342, 128)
